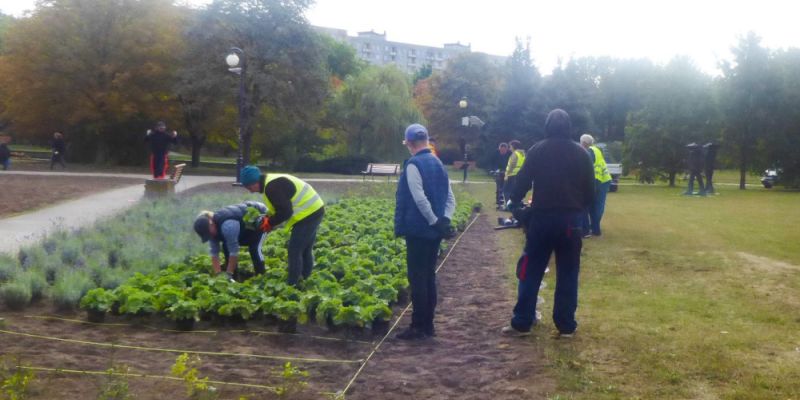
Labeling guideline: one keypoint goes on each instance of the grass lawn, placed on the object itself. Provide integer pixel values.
(681, 298)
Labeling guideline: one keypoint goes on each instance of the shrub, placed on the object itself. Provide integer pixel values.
(349, 165)
(35, 280)
(8, 267)
(69, 288)
(16, 295)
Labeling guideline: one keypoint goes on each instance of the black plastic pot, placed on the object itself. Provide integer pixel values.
(186, 324)
(96, 316)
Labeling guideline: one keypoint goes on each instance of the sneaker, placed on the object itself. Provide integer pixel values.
(587, 236)
(562, 335)
(411, 334)
(229, 276)
(513, 332)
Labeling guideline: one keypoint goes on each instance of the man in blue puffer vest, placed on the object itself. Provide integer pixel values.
(425, 204)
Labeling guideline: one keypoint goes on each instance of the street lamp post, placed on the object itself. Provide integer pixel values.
(238, 65)
(462, 104)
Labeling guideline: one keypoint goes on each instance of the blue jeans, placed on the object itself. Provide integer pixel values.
(549, 232)
(692, 177)
(599, 206)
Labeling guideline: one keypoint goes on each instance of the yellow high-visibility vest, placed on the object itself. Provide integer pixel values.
(600, 168)
(517, 165)
(305, 201)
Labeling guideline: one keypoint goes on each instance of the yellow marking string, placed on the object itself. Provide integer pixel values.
(366, 360)
(210, 353)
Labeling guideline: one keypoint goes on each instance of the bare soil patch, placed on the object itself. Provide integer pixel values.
(469, 359)
(20, 193)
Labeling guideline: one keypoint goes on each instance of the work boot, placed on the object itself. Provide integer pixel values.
(411, 333)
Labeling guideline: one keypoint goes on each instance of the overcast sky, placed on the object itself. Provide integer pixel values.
(559, 29)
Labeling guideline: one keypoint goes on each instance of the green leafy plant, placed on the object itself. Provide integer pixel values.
(292, 381)
(16, 295)
(197, 388)
(115, 384)
(98, 299)
(183, 309)
(14, 379)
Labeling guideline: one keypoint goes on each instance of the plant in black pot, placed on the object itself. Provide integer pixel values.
(97, 302)
(185, 313)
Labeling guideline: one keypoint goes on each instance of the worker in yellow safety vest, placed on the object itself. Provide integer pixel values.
(602, 182)
(512, 168)
(291, 201)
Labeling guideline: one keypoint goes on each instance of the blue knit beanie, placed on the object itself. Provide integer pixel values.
(249, 175)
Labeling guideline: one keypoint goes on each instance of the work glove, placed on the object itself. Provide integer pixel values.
(443, 227)
(263, 224)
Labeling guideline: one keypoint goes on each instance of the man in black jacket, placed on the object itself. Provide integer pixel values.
(500, 164)
(562, 176)
(160, 140)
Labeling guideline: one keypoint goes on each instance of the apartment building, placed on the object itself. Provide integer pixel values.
(374, 48)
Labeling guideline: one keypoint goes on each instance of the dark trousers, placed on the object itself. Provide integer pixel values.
(550, 232)
(692, 176)
(253, 240)
(421, 255)
(159, 165)
(57, 158)
(499, 180)
(301, 243)
(509, 186)
(591, 221)
(709, 177)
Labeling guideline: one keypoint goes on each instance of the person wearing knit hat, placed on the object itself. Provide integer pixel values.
(230, 227)
(293, 202)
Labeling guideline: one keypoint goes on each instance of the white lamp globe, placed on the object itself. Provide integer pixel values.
(232, 60)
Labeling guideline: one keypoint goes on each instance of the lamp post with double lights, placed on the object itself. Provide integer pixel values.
(237, 64)
(463, 104)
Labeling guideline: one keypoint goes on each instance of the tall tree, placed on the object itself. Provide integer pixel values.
(780, 146)
(520, 110)
(471, 76)
(677, 109)
(371, 111)
(286, 72)
(747, 96)
(96, 70)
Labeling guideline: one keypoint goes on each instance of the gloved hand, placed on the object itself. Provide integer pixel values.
(443, 227)
(263, 224)
(511, 205)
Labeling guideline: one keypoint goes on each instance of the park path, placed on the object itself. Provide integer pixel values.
(27, 228)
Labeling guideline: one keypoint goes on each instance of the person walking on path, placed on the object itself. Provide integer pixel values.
(160, 140)
(423, 209)
(59, 148)
(293, 201)
(602, 182)
(500, 164)
(515, 162)
(695, 162)
(562, 177)
(228, 226)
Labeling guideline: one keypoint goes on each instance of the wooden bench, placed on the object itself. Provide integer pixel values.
(154, 188)
(381, 169)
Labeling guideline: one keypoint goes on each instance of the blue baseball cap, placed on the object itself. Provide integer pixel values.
(249, 175)
(416, 132)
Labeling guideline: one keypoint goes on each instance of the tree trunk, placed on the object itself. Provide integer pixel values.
(742, 168)
(197, 144)
(672, 175)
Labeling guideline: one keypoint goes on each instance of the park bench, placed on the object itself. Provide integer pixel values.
(381, 169)
(154, 188)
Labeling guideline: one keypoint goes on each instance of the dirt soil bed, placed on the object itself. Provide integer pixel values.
(20, 193)
(468, 360)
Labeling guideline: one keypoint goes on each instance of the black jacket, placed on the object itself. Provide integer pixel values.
(59, 145)
(501, 160)
(559, 170)
(5, 152)
(160, 141)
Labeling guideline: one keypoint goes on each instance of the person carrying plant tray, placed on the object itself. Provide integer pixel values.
(294, 202)
(228, 226)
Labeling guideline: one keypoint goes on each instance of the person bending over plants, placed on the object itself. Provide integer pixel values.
(292, 201)
(229, 226)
